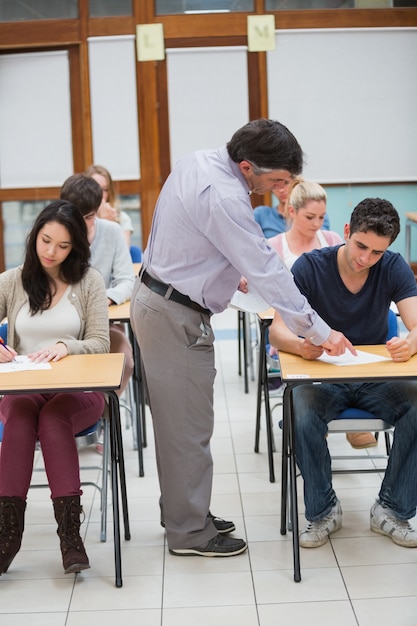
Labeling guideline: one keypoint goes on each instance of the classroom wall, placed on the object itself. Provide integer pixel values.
(342, 200)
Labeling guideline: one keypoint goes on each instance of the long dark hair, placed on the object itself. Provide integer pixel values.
(36, 282)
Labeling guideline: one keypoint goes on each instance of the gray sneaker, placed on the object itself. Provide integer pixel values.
(384, 522)
(315, 534)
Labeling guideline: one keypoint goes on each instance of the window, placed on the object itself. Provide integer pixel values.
(16, 11)
(163, 7)
(110, 8)
(18, 218)
(290, 5)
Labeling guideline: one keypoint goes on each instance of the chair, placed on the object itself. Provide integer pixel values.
(136, 254)
(350, 417)
(3, 331)
(357, 420)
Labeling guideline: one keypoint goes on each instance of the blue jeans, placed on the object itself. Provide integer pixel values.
(315, 405)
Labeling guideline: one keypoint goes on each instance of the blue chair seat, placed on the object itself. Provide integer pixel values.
(136, 254)
(352, 413)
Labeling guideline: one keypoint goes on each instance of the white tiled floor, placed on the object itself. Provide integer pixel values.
(358, 578)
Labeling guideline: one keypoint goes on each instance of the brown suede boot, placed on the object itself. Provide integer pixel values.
(67, 514)
(12, 522)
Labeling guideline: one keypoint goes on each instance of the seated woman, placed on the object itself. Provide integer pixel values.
(109, 208)
(273, 219)
(56, 305)
(306, 211)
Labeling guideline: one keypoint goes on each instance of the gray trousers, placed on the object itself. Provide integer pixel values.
(176, 345)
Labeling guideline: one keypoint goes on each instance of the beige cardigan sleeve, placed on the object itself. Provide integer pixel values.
(89, 298)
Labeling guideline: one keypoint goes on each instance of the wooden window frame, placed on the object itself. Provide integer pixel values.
(179, 31)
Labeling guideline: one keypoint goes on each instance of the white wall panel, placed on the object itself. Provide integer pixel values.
(350, 98)
(207, 97)
(35, 120)
(114, 105)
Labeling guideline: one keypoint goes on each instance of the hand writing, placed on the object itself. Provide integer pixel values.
(7, 354)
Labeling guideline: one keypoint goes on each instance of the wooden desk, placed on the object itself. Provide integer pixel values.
(411, 220)
(121, 313)
(86, 372)
(298, 371)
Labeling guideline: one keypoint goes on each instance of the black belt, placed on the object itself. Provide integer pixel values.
(161, 288)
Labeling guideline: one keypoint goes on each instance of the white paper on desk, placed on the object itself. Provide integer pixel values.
(251, 302)
(349, 359)
(22, 363)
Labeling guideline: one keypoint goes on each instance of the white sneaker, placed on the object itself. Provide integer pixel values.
(315, 534)
(384, 522)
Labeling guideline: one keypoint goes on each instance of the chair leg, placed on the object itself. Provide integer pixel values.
(138, 407)
(263, 389)
(290, 479)
(105, 479)
(239, 341)
(269, 429)
(387, 442)
(261, 383)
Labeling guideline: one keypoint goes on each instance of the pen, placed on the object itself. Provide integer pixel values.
(4, 346)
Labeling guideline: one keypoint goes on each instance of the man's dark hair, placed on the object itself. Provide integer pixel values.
(266, 144)
(376, 215)
(82, 191)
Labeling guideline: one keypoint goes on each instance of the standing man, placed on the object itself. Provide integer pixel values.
(203, 239)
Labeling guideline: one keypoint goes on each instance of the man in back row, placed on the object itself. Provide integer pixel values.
(351, 286)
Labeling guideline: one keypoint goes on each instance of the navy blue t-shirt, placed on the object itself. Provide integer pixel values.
(362, 317)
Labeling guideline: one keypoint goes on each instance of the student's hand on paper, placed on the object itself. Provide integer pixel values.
(309, 351)
(399, 349)
(336, 344)
(243, 285)
(7, 355)
(51, 353)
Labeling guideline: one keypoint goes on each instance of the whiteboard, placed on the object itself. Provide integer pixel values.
(207, 97)
(35, 120)
(350, 98)
(114, 117)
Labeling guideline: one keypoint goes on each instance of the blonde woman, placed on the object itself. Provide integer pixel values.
(273, 220)
(305, 214)
(306, 211)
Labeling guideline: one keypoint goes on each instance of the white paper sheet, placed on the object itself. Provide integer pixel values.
(22, 363)
(251, 302)
(349, 359)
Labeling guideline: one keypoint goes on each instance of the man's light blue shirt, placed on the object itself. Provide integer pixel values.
(204, 238)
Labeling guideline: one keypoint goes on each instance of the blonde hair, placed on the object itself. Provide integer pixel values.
(100, 169)
(301, 192)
